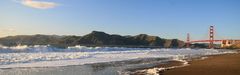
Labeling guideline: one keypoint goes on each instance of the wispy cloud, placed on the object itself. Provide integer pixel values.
(39, 4)
(6, 31)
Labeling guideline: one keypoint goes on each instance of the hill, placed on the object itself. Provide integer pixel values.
(234, 46)
(95, 38)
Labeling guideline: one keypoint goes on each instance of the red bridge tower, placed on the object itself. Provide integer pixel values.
(211, 37)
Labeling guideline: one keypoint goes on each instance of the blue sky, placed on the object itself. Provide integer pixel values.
(164, 18)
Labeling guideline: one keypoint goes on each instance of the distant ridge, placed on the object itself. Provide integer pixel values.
(95, 38)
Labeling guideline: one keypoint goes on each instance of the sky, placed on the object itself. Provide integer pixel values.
(164, 18)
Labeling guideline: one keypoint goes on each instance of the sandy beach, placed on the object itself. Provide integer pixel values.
(227, 64)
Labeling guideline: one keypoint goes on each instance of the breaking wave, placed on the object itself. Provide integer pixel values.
(48, 48)
(49, 56)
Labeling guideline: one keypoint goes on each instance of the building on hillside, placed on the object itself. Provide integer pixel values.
(227, 43)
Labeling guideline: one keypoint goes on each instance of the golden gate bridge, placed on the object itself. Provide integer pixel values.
(211, 39)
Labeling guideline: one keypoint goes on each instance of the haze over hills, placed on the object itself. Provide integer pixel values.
(95, 38)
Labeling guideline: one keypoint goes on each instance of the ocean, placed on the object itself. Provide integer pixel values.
(81, 60)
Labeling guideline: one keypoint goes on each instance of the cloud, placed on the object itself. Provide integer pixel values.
(39, 4)
(6, 31)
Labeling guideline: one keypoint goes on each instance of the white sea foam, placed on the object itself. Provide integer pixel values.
(47, 56)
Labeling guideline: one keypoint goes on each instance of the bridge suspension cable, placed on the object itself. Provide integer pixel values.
(211, 39)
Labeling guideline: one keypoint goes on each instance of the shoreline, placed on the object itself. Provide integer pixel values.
(155, 70)
(153, 62)
(192, 66)
(225, 64)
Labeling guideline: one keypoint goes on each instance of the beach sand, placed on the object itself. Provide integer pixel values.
(227, 64)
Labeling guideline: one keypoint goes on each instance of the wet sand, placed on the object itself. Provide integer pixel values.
(154, 69)
(227, 64)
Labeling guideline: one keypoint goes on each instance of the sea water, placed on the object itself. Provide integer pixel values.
(81, 60)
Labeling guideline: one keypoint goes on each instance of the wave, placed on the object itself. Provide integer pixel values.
(48, 56)
(49, 48)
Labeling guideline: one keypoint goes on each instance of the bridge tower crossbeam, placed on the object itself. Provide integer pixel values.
(211, 37)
